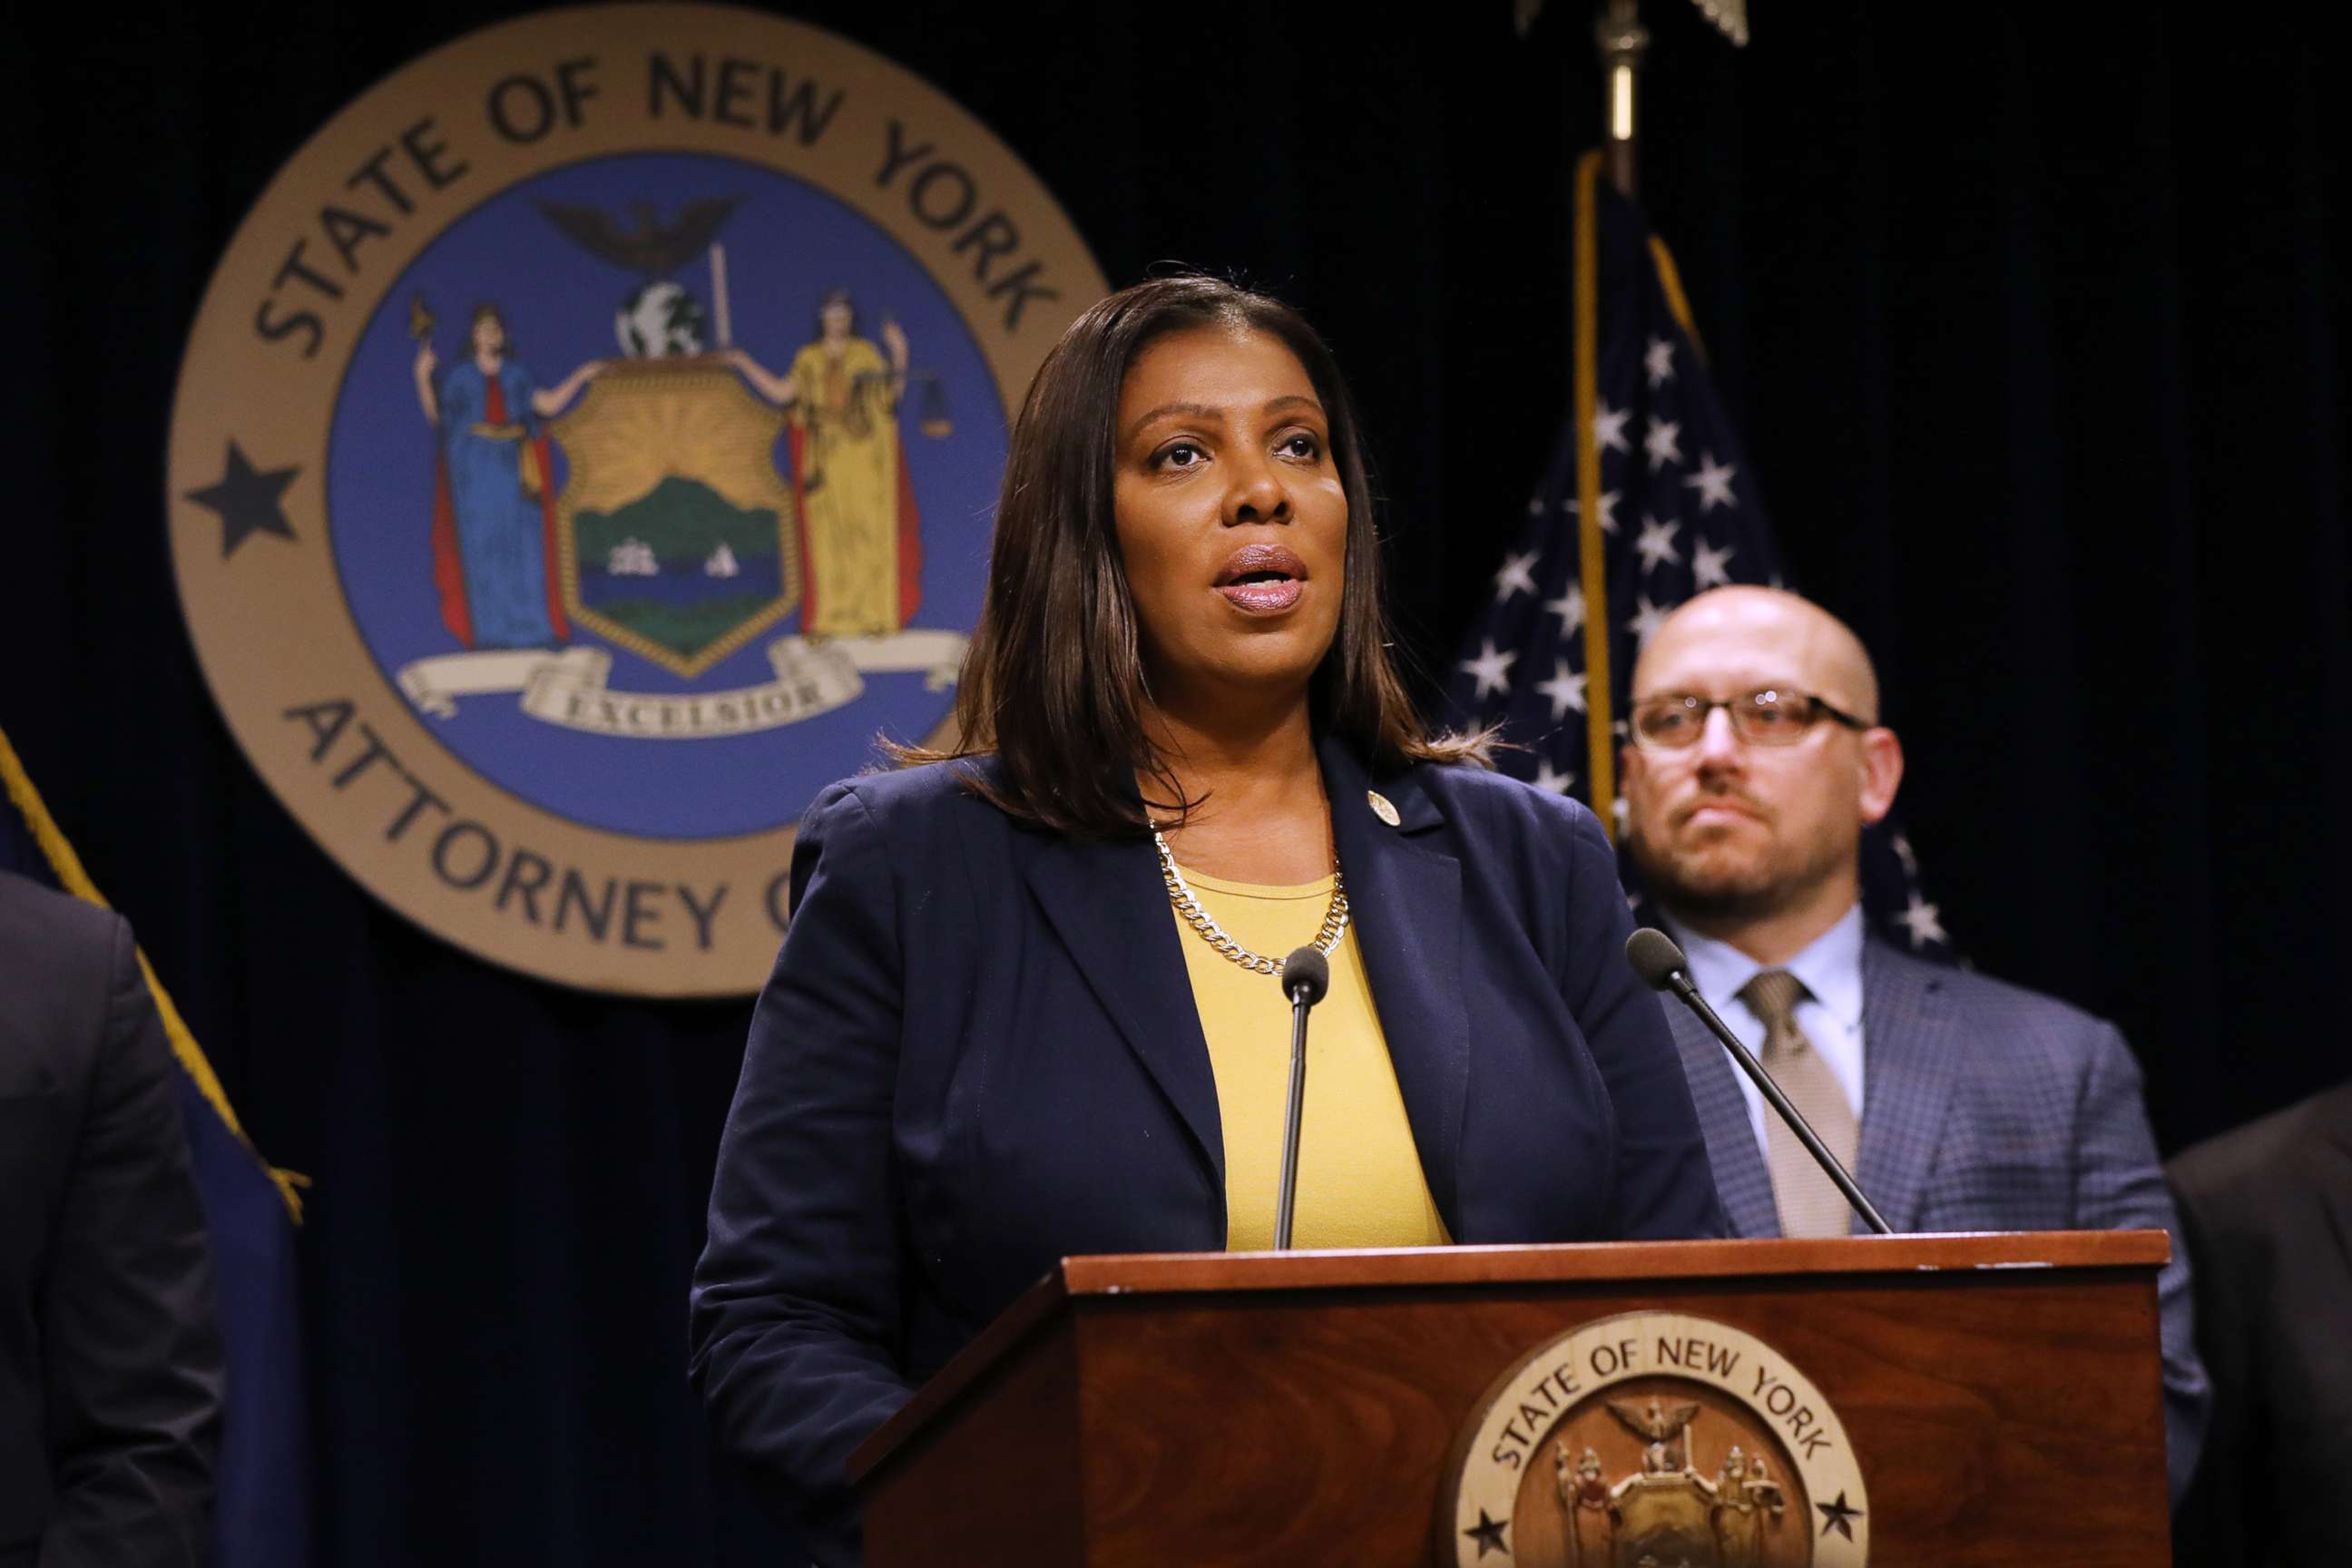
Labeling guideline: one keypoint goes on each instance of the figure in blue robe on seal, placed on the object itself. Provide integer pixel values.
(494, 536)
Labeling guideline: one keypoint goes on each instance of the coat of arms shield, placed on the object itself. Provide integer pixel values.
(676, 529)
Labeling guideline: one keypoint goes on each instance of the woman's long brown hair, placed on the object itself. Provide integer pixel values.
(1054, 682)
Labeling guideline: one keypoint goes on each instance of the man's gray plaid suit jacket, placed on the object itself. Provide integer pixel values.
(1985, 1107)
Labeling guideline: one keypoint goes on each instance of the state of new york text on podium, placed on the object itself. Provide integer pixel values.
(1905, 1400)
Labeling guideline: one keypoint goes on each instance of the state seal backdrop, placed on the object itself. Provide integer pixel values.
(586, 448)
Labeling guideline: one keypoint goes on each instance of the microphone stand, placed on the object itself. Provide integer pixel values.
(1305, 976)
(1287, 1199)
(1679, 981)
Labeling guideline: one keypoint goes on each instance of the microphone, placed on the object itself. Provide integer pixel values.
(1661, 965)
(1306, 978)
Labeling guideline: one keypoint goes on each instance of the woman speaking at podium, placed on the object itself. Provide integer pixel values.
(1027, 1008)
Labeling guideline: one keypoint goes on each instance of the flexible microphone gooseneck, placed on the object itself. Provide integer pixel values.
(1661, 964)
(1305, 976)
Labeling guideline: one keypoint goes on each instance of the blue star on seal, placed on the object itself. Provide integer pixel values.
(247, 499)
(1839, 1516)
(1489, 1533)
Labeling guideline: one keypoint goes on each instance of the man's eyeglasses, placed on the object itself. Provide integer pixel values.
(1770, 717)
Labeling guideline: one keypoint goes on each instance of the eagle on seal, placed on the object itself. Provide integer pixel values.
(1658, 1422)
(651, 248)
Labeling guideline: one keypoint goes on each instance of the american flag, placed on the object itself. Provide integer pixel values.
(1677, 512)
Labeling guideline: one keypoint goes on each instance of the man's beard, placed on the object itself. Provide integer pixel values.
(1718, 892)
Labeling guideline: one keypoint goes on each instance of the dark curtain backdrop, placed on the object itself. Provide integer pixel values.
(2034, 325)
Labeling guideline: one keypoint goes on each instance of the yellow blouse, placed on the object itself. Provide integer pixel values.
(1360, 1178)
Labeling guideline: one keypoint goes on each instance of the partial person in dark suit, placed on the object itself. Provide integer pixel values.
(1027, 1006)
(109, 1352)
(1960, 1103)
(2268, 1212)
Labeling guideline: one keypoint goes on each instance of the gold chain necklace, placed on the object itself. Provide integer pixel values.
(1335, 916)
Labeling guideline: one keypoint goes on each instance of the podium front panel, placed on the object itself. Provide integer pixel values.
(1912, 1400)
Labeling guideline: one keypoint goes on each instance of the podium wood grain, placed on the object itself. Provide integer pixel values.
(2003, 1393)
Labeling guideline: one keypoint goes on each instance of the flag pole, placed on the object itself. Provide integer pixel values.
(1622, 42)
(1592, 551)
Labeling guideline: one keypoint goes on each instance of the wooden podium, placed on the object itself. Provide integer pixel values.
(1985, 1400)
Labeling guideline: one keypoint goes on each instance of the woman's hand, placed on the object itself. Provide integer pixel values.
(547, 404)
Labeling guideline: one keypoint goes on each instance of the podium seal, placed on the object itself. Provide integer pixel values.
(586, 446)
(1654, 1439)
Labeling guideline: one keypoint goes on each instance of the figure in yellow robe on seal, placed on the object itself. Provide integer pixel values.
(861, 554)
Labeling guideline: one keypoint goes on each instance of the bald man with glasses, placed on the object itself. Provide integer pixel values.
(1960, 1103)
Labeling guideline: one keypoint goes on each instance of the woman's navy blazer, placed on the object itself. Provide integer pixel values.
(978, 1053)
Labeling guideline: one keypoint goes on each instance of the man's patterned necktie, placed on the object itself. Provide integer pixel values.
(1808, 1202)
